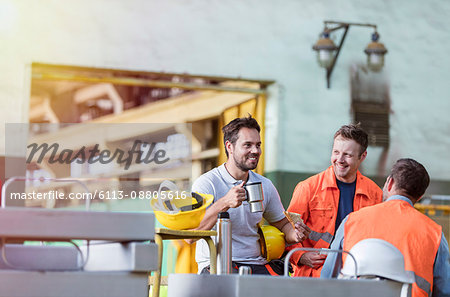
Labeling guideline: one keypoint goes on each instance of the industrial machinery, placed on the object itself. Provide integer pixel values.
(114, 259)
(234, 285)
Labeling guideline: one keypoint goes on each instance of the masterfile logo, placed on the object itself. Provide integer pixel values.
(53, 154)
(76, 150)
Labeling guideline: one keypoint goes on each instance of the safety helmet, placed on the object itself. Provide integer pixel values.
(272, 242)
(377, 257)
(180, 213)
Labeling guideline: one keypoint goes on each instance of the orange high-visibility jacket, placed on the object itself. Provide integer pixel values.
(413, 233)
(317, 200)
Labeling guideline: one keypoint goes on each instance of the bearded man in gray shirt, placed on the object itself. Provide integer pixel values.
(226, 183)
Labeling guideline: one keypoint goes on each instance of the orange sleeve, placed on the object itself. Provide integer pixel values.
(377, 194)
(299, 204)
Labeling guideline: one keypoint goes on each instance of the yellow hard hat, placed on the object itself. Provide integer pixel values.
(272, 242)
(182, 213)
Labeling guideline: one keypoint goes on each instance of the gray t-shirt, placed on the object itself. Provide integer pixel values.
(244, 224)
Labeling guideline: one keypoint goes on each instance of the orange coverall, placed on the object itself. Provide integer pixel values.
(317, 200)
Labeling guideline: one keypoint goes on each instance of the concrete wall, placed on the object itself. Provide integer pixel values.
(255, 39)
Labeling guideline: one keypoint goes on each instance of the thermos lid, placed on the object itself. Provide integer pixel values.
(255, 183)
(223, 215)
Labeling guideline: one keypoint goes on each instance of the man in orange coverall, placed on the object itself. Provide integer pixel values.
(325, 199)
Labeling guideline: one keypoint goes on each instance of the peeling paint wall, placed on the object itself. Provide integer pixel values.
(254, 39)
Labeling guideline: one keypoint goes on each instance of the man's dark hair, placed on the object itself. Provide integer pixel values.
(410, 177)
(356, 133)
(231, 130)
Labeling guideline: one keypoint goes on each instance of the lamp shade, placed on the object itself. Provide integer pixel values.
(375, 53)
(325, 48)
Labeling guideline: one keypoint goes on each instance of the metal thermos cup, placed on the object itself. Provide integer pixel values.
(223, 244)
(255, 196)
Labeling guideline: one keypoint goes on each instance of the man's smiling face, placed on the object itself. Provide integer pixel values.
(345, 158)
(247, 149)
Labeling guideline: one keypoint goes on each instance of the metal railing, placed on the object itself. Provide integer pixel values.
(323, 251)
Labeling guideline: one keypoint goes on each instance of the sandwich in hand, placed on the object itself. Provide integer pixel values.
(293, 218)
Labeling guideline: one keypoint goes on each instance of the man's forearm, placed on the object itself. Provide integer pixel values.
(289, 232)
(286, 227)
(210, 218)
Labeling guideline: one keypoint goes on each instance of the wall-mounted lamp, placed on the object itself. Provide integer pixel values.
(328, 52)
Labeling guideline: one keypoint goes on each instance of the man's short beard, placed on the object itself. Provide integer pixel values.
(242, 165)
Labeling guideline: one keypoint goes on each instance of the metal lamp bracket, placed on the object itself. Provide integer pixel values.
(331, 26)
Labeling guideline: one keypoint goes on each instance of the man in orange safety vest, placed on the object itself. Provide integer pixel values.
(419, 238)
